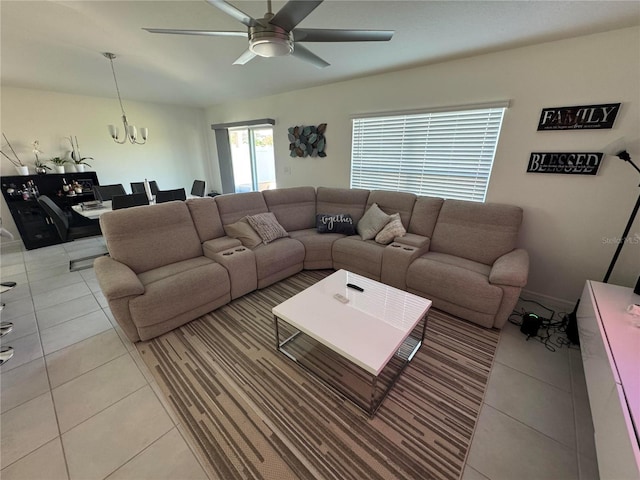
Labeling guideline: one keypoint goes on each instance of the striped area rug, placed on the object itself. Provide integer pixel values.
(255, 414)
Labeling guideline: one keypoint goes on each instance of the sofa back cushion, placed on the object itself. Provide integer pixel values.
(424, 216)
(205, 215)
(295, 208)
(477, 231)
(393, 202)
(334, 201)
(149, 237)
(234, 206)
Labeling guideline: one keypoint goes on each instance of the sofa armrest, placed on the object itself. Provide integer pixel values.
(116, 279)
(414, 240)
(220, 244)
(511, 269)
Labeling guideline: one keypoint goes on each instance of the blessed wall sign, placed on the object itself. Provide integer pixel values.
(566, 163)
(580, 117)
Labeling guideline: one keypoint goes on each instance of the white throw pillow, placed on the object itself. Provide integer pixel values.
(372, 222)
(391, 230)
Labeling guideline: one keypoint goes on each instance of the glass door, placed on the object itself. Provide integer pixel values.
(253, 159)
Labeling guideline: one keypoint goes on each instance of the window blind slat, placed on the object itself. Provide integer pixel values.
(444, 154)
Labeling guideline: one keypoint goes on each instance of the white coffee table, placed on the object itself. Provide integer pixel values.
(373, 328)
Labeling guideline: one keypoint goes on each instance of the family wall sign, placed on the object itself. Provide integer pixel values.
(580, 117)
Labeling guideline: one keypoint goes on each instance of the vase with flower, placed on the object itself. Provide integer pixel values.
(76, 158)
(41, 167)
(20, 167)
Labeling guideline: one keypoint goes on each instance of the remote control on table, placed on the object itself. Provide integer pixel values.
(341, 298)
(355, 287)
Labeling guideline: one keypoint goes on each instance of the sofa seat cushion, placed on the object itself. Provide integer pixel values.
(455, 280)
(363, 257)
(178, 287)
(279, 255)
(317, 247)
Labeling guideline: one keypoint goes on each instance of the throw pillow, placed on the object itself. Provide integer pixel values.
(339, 223)
(372, 222)
(243, 232)
(391, 230)
(267, 227)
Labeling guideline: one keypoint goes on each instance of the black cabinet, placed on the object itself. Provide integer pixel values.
(35, 227)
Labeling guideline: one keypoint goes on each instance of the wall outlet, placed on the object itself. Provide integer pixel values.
(287, 170)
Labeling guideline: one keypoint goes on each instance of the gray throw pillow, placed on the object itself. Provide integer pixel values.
(267, 226)
(372, 222)
(244, 232)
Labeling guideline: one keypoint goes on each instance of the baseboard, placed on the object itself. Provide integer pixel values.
(554, 303)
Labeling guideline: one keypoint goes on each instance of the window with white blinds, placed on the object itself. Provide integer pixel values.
(445, 154)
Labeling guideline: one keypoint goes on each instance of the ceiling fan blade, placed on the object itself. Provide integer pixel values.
(330, 35)
(304, 54)
(234, 12)
(211, 33)
(293, 13)
(245, 57)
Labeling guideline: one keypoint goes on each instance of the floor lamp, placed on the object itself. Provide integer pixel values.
(624, 155)
(571, 319)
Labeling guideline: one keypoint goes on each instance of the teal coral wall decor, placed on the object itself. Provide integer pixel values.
(307, 141)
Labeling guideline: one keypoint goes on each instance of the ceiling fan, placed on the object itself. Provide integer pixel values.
(276, 35)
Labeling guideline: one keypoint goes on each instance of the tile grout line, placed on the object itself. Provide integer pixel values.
(50, 392)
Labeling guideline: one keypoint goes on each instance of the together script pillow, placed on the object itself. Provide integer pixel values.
(339, 223)
(243, 232)
(267, 226)
(391, 230)
(372, 222)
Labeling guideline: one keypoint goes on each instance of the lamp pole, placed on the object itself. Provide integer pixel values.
(624, 156)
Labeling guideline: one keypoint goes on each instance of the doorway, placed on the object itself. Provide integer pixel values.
(253, 158)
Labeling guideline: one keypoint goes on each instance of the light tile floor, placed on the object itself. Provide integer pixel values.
(77, 401)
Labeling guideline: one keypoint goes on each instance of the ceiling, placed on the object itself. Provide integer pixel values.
(57, 45)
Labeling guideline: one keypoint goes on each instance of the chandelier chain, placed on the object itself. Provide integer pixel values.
(117, 88)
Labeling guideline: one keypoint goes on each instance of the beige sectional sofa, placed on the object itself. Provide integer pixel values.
(171, 263)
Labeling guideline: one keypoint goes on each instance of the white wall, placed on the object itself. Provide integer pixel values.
(175, 154)
(568, 219)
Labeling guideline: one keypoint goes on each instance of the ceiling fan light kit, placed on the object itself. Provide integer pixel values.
(272, 42)
(277, 35)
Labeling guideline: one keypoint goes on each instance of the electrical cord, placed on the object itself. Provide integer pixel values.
(551, 333)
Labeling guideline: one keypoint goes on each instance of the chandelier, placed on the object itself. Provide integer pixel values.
(130, 131)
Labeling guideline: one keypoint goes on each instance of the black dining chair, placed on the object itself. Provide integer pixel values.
(198, 188)
(126, 201)
(106, 192)
(62, 223)
(170, 195)
(138, 187)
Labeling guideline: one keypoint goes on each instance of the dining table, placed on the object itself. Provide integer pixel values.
(93, 210)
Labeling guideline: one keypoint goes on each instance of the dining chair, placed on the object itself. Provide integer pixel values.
(198, 188)
(138, 187)
(106, 192)
(170, 195)
(126, 201)
(62, 224)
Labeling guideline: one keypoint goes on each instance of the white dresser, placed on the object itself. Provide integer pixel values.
(610, 347)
